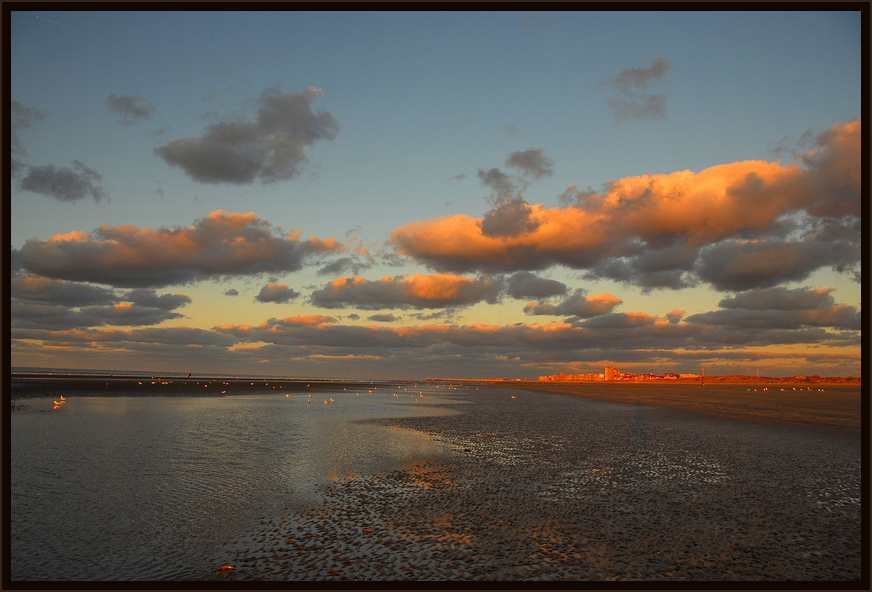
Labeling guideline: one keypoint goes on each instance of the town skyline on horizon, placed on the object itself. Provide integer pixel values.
(401, 194)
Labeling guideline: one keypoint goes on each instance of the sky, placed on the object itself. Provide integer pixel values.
(436, 194)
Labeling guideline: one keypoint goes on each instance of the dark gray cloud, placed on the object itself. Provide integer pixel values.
(383, 318)
(783, 309)
(274, 147)
(64, 184)
(650, 107)
(231, 292)
(509, 219)
(353, 265)
(278, 293)
(130, 107)
(669, 267)
(527, 285)
(70, 294)
(576, 305)
(742, 265)
(503, 185)
(632, 84)
(148, 298)
(780, 298)
(219, 245)
(22, 118)
(59, 305)
(510, 214)
(532, 162)
(631, 80)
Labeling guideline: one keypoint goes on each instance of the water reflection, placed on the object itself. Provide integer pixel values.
(150, 487)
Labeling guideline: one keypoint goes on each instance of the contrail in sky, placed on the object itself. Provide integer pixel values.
(48, 21)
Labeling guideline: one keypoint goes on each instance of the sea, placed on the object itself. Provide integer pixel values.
(111, 487)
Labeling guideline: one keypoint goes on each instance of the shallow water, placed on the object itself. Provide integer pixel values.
(145, 488)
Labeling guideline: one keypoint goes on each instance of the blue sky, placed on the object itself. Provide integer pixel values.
(352, 126)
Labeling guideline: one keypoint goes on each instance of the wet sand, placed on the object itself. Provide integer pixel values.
(835, 409)
(538, 487)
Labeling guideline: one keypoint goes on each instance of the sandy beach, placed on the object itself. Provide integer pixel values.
(833, 408)
(540, 486)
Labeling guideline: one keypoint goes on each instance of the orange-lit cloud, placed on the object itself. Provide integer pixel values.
(419, 291)
(219, 245)
(670, 230)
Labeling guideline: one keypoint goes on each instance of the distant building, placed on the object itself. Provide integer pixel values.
(612, 374)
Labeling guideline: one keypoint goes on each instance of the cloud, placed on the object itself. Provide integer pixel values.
(649, 107)
(130, 108)
(532, 162)
(459, 177)
(48, 291)
(502, 184)
(219, 245)
(742, 265)
(511, 215)
(629, 336)
(630, 80)
(418, 291)
(231, 292)
(64, 184)
(781, 308)
(527, 285)
(22, 118)
(60, 305)
(741, 330)
(636, 104)
(509, 219)
(148, 298)
(780, 299)
(353, 265)
(278, 293)
(667, 267)
(272, 148)
(577, 305)
(727, 225)
(383, 318)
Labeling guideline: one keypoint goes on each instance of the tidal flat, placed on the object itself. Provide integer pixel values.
(543, 486)
(426, 482)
